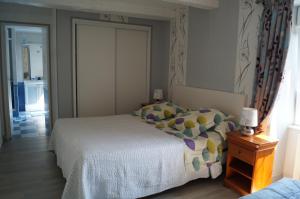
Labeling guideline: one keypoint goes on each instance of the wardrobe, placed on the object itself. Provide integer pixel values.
(111, 67)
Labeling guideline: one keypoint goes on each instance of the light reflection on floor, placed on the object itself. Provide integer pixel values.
(31, 124)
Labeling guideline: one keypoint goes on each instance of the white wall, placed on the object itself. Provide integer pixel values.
(291, 167)
(283, 113)
(36, 60)
(18, 57)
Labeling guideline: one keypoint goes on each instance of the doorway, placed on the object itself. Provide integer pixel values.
(26, 66)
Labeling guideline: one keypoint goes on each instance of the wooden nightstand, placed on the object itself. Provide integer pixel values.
(249, 162)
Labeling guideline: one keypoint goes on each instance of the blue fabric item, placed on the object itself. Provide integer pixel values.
(21, 96)
(284, 188)
(15, 101)
(12, 94)
(16, 114)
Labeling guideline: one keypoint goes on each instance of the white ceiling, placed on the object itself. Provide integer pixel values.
(204, 4)
(28, 29)
(162, 9)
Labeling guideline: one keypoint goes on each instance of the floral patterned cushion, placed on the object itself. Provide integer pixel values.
(218, 116)
(225, 127)
(193, 123)
(159, 111)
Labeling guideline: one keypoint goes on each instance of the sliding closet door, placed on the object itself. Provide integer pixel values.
(95, 75)
(131, 69)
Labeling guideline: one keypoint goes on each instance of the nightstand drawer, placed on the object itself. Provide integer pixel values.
(242, 154)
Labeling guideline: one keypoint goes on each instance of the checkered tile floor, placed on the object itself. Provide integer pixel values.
(31, 125)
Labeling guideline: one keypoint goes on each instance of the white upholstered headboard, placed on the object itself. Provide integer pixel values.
(196, 98)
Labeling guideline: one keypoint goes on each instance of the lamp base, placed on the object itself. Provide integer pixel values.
(248, 131)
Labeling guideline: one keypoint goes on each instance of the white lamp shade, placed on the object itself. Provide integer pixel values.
(158, 94)
(249, 117)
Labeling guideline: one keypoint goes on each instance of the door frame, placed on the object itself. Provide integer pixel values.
(2, 107)
(5, 113)
(126, 26)
(4, 88)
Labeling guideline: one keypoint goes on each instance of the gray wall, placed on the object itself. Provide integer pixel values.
(160, 46)
(64, 58)
(29, 14)
(212, 44)
(25, 14)
(159, 57)
(1, 123)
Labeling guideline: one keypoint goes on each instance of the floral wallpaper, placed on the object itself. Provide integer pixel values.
(249, 26)
(178, 48)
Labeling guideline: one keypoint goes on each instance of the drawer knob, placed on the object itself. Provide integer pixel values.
(239, 151)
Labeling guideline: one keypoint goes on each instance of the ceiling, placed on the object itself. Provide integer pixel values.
(163, 9)
(203, 4)
(27, 29)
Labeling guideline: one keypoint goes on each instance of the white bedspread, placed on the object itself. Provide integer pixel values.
(116, 157)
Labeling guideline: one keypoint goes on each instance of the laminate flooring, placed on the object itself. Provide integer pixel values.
(28, 171)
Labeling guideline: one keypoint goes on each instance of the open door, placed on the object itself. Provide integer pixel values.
(2, 122)
(25, 69)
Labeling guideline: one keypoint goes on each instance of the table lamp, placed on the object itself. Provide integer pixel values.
(158, 95)
(248, 120)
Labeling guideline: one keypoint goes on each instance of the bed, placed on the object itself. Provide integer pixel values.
(284, 188)
(124, 157)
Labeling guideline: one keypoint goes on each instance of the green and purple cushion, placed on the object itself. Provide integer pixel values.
(159, 111)
(194, 123)
(217, 115)
(225, 127)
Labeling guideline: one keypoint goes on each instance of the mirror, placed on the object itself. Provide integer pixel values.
(26, 64)
(32, 62)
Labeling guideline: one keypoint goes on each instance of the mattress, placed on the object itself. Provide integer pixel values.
(121, 157)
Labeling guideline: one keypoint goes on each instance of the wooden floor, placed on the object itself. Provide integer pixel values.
(28, 170)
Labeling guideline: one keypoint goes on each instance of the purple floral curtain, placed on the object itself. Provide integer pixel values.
(272, 51)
